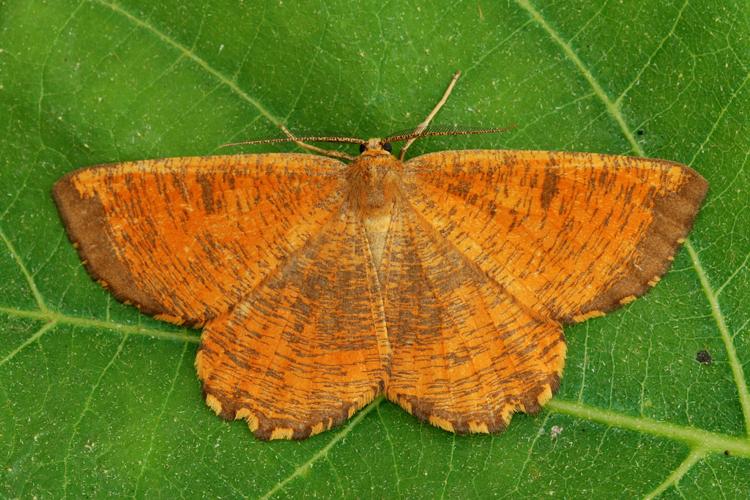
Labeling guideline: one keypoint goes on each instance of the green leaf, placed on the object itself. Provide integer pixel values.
(98, 400)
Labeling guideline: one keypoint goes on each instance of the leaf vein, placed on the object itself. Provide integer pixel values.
(726, 337)
(36, 336)
(190, 54)
(611, 106)
(182, 336)
(147, 455)
(323, 452)
(24, 270)
(695, 437)
(719, 117)
(616, 113)
(84, 410)
(529, 453)
(393, 451)
(651, 56)
(693, 458)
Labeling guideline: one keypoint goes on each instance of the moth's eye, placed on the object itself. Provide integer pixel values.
(362, 148)
(388, 146)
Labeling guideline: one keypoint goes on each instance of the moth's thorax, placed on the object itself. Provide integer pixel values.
(374, 179)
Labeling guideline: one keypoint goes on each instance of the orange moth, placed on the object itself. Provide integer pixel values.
(442, 282)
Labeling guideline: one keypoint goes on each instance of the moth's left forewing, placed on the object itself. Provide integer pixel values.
(186, 238)
(572, 235)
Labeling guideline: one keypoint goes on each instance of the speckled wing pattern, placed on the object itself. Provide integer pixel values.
(486, 255)
(308, 347)
(186, 238)
(568, 235)
(490, 252)
(465, 353)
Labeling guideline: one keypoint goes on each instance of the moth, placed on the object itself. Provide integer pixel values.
(442, 282)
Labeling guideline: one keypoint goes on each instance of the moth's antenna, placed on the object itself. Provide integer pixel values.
(421, 130)
(300, 142)
(422, 126)
(433, 133)
(349, 140)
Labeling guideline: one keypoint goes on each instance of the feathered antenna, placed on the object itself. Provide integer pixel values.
(433, 133)
(300, 142)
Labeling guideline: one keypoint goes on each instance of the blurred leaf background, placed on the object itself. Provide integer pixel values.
(98, 400)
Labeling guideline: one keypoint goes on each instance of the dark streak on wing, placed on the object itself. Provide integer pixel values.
(86, 223)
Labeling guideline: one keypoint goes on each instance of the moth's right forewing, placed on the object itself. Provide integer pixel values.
(570, 235)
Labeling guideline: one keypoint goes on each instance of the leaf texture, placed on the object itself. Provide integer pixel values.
(97, 399)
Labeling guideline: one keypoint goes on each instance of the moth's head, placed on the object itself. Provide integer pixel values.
(375, 147)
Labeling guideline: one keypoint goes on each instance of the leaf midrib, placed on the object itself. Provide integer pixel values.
(694, 436)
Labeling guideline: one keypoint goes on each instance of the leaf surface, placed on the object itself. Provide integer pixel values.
(96, 399)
